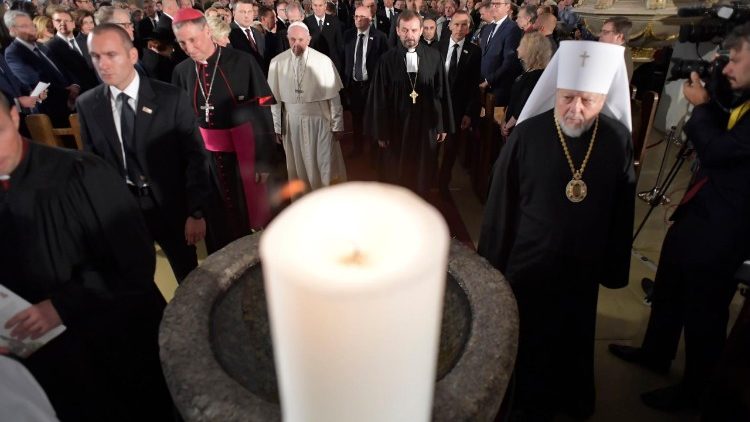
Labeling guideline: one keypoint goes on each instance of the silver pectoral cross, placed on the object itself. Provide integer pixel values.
(207, 109)
(583, 57)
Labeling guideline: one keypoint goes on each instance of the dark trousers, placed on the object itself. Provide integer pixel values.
(693, 288)
(450, 152)
(357, 99)
(169, 233)
(555, 362)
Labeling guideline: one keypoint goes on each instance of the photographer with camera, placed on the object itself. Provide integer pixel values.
(707, 242)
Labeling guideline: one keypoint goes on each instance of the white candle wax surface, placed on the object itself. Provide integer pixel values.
(355, 277)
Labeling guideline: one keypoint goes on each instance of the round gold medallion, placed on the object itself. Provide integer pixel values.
(576, 190)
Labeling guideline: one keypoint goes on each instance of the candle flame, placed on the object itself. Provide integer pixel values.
(355, 258)
(290, 190)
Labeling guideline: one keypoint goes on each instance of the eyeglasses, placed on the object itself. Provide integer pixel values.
(361, 17)
(58, 21)
(125, 24)
(606, 32)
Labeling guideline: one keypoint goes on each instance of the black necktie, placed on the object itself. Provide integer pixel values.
(491, 34)
(127, 130)
(251, 40)
(454, 62)
(359, 58)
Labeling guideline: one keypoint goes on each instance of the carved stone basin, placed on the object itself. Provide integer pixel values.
(217, 354)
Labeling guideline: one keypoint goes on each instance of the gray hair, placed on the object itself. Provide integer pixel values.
(10, 17)
(296, 5)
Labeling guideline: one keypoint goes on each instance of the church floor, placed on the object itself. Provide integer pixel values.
(622, 315)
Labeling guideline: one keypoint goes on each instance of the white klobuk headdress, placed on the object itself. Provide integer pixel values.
(587, 66)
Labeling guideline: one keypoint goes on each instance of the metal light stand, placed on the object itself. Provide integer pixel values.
(658, 194)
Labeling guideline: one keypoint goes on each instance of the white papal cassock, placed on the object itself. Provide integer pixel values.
(307, 112)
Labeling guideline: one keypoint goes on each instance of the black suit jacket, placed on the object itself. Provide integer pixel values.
(500, 64)
(165, 26)
(382, 23)
(145, 28)
(376, 46)
(239, 40)
(168, 144)
(71, 63)
(464, 81)
(82, 41)
(329, 40)
(30, 69)
(345, 13)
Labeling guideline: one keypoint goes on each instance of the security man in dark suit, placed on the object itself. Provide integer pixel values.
(245, 37)
(462, 63)
(325, 31)
(146, 129)
(707, 243)
(500, 64)
(363, 46)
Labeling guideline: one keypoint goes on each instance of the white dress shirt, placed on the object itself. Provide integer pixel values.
(132, 91)
(460, 48)
(364, 51)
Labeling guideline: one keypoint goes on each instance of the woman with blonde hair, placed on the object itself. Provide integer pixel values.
(534, 52)
(219, 30)
(45, 30)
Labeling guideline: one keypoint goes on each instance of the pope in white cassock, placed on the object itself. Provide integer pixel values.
(308, 117)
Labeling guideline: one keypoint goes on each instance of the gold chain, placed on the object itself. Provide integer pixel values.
(577, 174)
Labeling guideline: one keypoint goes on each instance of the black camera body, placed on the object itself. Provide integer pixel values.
(715, 22)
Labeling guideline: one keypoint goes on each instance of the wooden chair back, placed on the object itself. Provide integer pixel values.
(41, 130)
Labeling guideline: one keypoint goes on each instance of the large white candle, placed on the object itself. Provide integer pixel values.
(354, 276)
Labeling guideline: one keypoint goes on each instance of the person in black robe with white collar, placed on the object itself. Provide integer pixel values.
(410, 83)
(228, 92)
(557, 233)
(74, 244)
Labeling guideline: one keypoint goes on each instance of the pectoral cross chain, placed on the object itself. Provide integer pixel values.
(207, 109)
(413, 96)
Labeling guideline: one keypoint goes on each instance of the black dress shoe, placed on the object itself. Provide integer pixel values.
(635, 355)
(671, 399)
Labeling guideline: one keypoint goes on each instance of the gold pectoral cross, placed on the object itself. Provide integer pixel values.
(413, 96)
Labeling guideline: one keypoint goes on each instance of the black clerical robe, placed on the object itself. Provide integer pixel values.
(410, 127)
(71, 232)
(239, 95)
(555, 252)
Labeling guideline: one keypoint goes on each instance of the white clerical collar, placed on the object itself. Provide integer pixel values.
(131, 90)
(411, 50)
(412, 61)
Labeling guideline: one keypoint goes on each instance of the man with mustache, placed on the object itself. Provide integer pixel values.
(559, 220)
(410, 83)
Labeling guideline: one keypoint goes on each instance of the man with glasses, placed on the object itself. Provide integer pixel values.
(500, 65)
(32, 63)
(616, 30)
(67, 53)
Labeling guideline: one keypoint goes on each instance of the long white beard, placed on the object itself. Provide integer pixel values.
(573, 132)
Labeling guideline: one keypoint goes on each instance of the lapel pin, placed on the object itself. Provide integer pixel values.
(466, 52)
(147, 110)
(241, 97)
(370, 38)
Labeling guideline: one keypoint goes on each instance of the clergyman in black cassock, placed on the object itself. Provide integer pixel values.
(555, 245)
(237, 94)
(555, 252)
(409, 113)
(72, 235)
